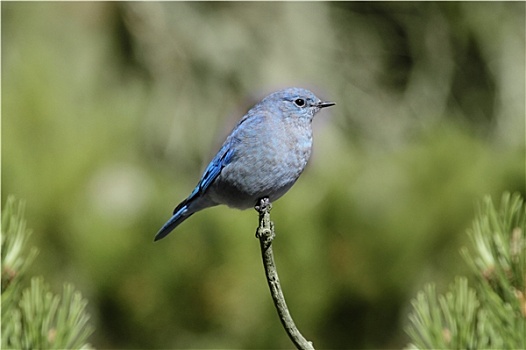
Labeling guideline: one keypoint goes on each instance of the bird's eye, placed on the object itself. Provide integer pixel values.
(299, 102)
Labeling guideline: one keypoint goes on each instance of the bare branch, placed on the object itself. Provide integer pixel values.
(265, 233)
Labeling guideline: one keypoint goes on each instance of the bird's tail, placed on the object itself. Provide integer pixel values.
(183, 211)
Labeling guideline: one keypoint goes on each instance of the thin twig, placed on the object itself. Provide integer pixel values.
(265, 233)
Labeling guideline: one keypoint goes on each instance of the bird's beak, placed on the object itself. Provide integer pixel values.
(325, 104)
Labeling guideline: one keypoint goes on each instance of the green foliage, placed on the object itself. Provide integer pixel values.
(493, 314)
(446, 321)
(34, 317)
(15, 260)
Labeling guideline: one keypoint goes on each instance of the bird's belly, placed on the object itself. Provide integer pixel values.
(242, 183)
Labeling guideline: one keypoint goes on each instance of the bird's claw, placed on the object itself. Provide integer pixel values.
(263, 205)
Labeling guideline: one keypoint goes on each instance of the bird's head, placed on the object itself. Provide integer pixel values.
(296, 102)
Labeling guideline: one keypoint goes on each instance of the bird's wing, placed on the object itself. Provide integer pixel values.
(212, 171)
(225, 155)
(223, 158)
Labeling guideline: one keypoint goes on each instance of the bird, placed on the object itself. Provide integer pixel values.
(263, 156)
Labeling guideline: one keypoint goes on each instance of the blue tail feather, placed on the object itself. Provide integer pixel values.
(181, 213)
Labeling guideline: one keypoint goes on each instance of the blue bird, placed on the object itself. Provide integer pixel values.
(262, 157)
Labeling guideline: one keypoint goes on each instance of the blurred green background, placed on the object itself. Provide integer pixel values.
(111, 111)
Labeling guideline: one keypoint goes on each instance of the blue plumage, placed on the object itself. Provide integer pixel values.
(262, 157)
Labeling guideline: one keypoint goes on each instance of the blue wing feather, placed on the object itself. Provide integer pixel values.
(214, 169)
(185, 209)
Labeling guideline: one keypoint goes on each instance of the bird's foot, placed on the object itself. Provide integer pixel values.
(263, 205)
(265, 230)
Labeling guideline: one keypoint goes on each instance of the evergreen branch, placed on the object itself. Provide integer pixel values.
(265, 234)
(439, 322)
(499, 263)
(493, 315)
(14, 258)
(35, 318)
(49, 321)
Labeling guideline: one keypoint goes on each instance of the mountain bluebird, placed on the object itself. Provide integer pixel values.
(261, 158)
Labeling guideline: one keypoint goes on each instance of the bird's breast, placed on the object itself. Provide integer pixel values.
(265, 168)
